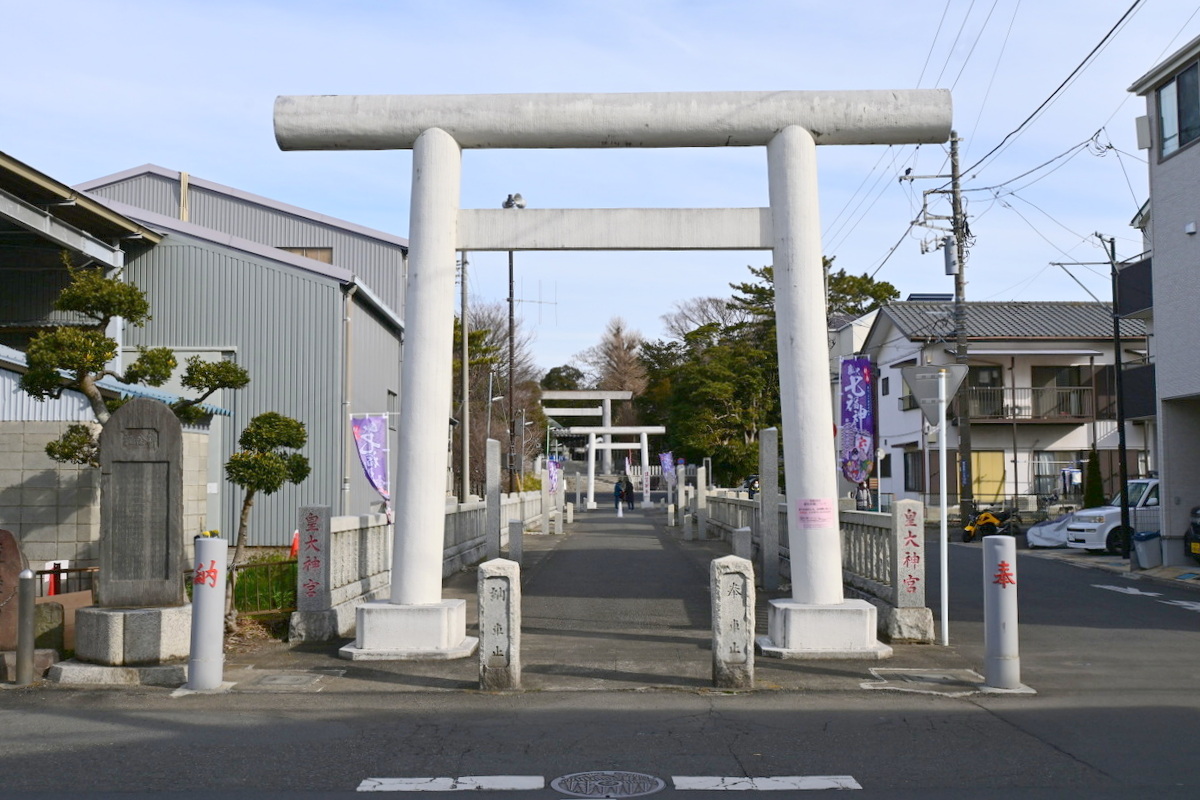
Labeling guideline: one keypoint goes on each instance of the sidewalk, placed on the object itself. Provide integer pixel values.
(614, 604)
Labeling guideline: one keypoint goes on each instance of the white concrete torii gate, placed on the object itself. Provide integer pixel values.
(643, 433)
(606, 398)
(818, 622)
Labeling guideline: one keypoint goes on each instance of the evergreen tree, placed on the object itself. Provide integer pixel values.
(78, 356)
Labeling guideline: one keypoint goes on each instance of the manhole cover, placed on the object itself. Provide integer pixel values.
(607, 784)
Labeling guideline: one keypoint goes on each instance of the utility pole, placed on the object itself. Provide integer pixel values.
(966, 495)
(959, 232)
(1119, 387)
(466, 390)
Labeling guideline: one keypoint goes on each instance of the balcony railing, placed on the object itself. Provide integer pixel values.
(1057, 404)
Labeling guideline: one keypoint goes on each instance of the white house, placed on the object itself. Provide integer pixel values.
(1170, 132)
(1040, 389)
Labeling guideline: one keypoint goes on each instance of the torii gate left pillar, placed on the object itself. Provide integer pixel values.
(818, 622)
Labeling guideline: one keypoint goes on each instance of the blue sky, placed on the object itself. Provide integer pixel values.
(105, 86)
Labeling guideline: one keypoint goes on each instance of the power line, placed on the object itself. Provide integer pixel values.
(1055, 94)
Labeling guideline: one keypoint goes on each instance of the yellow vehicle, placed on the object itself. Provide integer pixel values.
(989, 522)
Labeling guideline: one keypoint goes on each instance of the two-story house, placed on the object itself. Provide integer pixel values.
(1039, 390)
(1170, 133)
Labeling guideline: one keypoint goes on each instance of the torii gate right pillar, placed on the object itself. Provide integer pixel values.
(817, 622)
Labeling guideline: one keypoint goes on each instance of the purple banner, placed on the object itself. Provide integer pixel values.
(667, 460)
(370, 436)
(552, 472)
(856, 437)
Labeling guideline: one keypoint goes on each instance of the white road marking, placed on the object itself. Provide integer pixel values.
(781, 783)
(465, 783)
(1126, 590)
(1190, 605)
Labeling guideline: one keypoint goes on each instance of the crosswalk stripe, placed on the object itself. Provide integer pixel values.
(465, 783)
(785, 782)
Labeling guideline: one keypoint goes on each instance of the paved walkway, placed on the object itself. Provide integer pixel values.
(617, 603)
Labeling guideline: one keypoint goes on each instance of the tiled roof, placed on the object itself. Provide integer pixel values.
(1011, 320)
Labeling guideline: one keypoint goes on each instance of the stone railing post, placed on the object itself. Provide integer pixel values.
(492, 494)
(768, 506)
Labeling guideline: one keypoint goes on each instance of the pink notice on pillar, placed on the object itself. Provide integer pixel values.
(816, 512)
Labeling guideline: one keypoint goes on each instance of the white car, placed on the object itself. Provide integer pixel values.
(1099, 529)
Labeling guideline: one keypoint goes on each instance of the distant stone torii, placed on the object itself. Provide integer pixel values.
(817, 622)
(606, 397)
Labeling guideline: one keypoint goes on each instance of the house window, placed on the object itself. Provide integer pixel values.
(885, 464)
(1057, 472)
(1179, 110)
(322, 254)
(883, 387)
(914, 471)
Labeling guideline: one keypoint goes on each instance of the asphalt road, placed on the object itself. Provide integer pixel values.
(616, 620)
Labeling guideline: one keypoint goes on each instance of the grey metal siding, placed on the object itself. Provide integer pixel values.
(151, 192)
(284, 325)
(17, 406)
(375, 371)
(378, 263)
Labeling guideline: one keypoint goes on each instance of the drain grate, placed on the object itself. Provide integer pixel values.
(608, 784)
(939, 681)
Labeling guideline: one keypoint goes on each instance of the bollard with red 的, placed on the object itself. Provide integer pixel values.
(206, 665)
(1001, 658)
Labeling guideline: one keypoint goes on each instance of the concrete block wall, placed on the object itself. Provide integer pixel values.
(54, 509)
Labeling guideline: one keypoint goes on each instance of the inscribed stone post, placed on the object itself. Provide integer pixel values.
(313, 586)
(701, 503)
(731, 585)
(768, 506)
(499, 591)
(141, 508)
(12, 561)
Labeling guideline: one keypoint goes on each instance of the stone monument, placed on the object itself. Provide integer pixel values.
(12, 561)
(141, 616)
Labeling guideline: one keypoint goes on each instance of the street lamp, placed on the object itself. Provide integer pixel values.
(512, 201)
(489, 422)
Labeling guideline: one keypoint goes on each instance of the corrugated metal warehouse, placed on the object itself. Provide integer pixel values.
(309, 305)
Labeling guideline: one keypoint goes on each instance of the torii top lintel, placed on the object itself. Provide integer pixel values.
(663, 119)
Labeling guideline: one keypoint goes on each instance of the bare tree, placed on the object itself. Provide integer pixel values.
(489, 356)
(615, 363)
(698, 312)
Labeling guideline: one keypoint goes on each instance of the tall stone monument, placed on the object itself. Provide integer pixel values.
(141, 615)
(141, 508)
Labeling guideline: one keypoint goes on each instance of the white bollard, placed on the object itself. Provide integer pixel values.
(1001, 659)
(516, 540)
(206, 664)
(670, 515)
(570, 509)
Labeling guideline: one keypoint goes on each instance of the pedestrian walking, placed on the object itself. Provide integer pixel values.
(862, 497)
(618, 494)
(628, 493)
